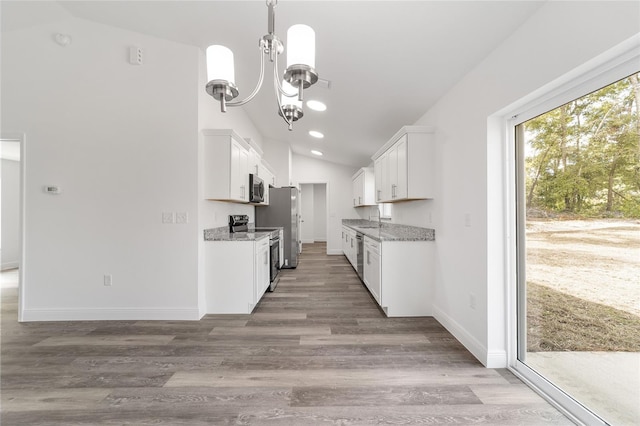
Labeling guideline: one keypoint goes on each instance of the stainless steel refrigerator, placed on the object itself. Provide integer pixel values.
(282, 211)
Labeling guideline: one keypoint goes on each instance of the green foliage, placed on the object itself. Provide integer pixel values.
(583, 158)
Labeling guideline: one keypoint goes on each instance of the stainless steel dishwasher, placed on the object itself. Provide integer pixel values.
(360, 254)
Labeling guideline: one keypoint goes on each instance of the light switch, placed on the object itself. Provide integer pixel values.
(167, 217)
(182, 217)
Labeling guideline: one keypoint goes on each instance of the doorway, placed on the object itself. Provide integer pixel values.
(313, 212)
(11, 213)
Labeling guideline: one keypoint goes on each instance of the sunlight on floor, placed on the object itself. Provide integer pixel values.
(9, 278)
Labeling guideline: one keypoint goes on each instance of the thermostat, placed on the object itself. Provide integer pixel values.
(52, 189)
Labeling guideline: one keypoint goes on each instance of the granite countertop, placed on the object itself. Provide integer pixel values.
(254, 234)
(390, 231)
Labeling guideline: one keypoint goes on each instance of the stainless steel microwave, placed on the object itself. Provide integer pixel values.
(256, 189)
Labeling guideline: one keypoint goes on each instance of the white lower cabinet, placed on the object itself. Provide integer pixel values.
(261, 268)
(236, 275)
(372, 267)
(351, 247)
(345, 240)
(399, 275)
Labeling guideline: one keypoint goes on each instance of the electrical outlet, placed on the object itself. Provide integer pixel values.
(472, 300)
(182, 217)
(167, 217)
(135, 55)
(107, 280)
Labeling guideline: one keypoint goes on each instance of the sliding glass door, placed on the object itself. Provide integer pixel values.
(578, 251)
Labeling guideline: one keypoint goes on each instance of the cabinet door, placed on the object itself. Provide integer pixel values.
(265, 278)
(382, 171)
(377, 171)
(239, 181)
(358, 190)
(262, 269)
(401, 168)
(253, 165)
(353, 249)
(372, 271)
(392, 160)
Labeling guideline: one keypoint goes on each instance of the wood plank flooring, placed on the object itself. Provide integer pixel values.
(316, 351)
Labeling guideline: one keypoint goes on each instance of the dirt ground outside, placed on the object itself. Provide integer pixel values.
(594, 260)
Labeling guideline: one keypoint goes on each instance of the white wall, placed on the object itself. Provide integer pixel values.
(10, 214)
(470, 259)
(277, 154)
(339, 193)
(320, 212)
(121, 141)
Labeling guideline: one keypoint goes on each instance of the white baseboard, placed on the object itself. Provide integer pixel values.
(9, 265)
(493, 359)
(107, 314)
(334, 252)
(497, 359)
(308, 241)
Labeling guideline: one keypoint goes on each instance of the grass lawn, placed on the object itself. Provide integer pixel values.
(560, 322)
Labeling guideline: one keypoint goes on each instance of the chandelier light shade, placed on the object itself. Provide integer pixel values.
(301, 46)
(220, 64)
(299, 74)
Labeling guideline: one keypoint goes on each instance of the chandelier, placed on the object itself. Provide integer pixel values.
(300, 73)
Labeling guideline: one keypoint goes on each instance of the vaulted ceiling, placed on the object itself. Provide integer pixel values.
(387, 61)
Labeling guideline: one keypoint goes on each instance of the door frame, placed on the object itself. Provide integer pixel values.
(326, 203)
(21, 138)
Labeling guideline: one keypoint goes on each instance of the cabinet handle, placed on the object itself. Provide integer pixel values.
(368, 257)
(359, 200)
(378, 197)
(351, 243)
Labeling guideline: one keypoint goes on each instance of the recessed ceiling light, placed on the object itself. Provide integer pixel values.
(316, 105)
(314, 152)
(316, 134)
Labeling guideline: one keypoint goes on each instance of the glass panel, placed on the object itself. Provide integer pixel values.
(579, 249)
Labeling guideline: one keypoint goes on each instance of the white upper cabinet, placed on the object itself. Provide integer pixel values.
(226, 164)
(254, 162)
(364, 187)
(404, 166)
(228, 161)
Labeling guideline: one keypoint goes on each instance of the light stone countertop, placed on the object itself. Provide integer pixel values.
(390, 231)
(254, 234)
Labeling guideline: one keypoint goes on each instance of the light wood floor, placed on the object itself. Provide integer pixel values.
(316, 351)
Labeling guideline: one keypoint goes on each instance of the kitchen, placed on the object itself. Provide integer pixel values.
(130, 148)
(402, 280)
